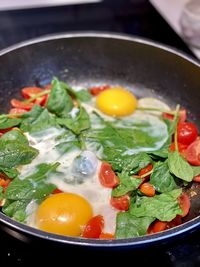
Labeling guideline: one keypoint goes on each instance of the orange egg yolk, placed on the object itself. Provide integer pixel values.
(116, 101)
(64, 214)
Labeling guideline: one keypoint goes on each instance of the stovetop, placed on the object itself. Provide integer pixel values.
(135, 17)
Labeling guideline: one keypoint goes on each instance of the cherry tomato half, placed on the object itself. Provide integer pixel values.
(181, 148)
(20, 104)
(57, 191)
(29, 92)
(147, 189)
(187, 132)
(182, 115)
(196, 179)
(192, 153)
(120, 203)
(146, 170)
(159, 226)
(107, 177)
(94, 227)
(184, 202)
(98, 89)
(17, 111)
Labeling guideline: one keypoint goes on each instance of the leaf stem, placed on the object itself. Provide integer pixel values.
(157, 109)
(146, 174)
(44, 92)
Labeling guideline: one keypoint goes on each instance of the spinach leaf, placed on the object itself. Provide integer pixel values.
(15, 135)
(128, 225)
(127, 184)
(68, 146)
(43, 121)
(1, 193)
(83, 95)
(78, 124)
(34, 186)
(126, 163)
(10, 172)
(13, 154)
(180, 167)
(196, 170)
(7, 122)
(161, 178)
(59, 102)
(16, 209)
(164, 207)
(30, 117)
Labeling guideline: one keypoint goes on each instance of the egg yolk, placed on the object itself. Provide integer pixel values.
(116, 101)
(64, 214)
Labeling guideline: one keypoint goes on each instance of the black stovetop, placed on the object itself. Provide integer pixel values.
(135, 17)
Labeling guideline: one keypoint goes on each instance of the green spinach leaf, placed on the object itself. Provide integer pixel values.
(15, 135)
(180, 167)
(127, 184)
(59, 101)
(13, 154)
(78, 124)
(164, 207)
(161, 178)
(128, 225)
(7, 122)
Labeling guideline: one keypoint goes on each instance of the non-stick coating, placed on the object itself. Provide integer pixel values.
(90, 59)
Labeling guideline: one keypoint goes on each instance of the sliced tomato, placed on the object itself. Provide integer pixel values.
(167, 116)
(159, 226)
(175, 222)
(182, 115)
(107, 177)
(147, 189)
(181, 148)
(94, 227)
(20, 104)
(120, 203)
(57, 191)
(106, 236)
(192, 153)
(197, 179)
(29, 92)
(146, 170)
(187, 132)
(17, 111)
(184, 202)
(4, 182)
(98, 89)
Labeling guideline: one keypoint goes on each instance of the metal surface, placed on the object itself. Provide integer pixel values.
(146, 68)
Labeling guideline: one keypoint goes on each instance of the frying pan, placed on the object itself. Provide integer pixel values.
(146, 68)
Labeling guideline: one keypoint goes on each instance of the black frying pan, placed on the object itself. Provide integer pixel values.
(87, 59)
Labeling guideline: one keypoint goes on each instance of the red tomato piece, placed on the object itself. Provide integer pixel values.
(159, 226)
(192, 153)
(181, 148)
(94, 227)
(17, 111)
(146, 170)
(120, 203)
(197, 179)
(20, 104)
(98, 89)
(187, 132)
(182, 115)
(175, 222)
(106, 236)
(29, 92)
(57, 191)
(147, 189)
(4, 182)
(184, 202)
(107, 177)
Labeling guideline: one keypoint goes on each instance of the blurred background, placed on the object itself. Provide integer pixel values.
(21, 19)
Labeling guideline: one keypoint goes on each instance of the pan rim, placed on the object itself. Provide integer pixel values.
(133, 242)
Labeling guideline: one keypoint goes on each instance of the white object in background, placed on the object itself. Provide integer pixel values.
(190, 22)
(172, 11)
(24, 4)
